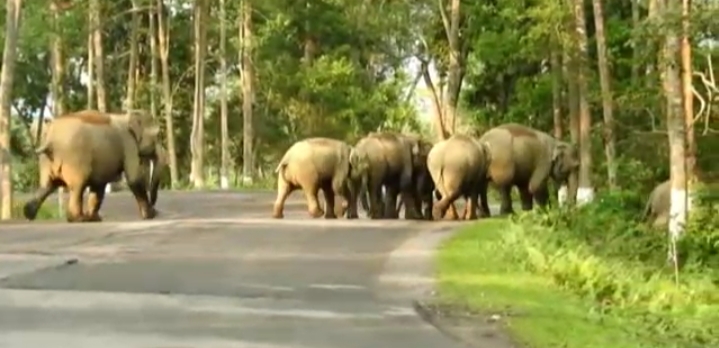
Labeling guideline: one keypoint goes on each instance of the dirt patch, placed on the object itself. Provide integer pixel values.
(472, 328)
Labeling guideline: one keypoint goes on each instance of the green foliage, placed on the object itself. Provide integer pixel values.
(602, 253)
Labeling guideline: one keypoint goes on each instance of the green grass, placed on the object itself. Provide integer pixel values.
(473, 272)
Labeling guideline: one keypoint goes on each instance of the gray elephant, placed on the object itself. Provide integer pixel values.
(316, 164)
(422, 184)
(90, 149)
(526, 158)
(155, 167)
(656, 212)
(458, 166)
(392, 159)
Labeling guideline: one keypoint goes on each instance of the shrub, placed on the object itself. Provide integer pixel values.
(601, 252)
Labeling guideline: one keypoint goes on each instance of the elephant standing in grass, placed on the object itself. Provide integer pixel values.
(527, 158)
(90, 149)
(316, 164)
(391, 161)
(656, 212)
(458, 166)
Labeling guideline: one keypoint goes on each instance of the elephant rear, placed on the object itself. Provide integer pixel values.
(456, 165)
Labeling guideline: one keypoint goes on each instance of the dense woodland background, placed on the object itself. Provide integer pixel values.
(234, 83)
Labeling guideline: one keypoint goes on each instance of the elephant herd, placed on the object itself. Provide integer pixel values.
(383, 167)
(87, 150)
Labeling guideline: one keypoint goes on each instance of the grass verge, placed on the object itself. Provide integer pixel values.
(476, 270)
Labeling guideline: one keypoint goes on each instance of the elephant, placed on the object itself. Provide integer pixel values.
(154, 169)
(392, 160)
(526, 158)
(89, 149)
(422, 183)
(656, 212)
(458, 167)
(316, 164)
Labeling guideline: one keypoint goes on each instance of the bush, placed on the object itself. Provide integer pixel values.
(601, 252)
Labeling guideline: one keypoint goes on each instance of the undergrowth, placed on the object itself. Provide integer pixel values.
(602, 253)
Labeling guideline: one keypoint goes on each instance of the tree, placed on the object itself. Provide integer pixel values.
(58, 78)
(224, 131)
(12, 25)
(98, 55)
(675, 121)
(607, 102)
(163, 38)
(132, 66)
(688, 94)
(248, 90)
(585, 193)
(197, 137)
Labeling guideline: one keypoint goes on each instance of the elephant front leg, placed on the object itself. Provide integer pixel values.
(483, 201)
(313, 204)
(411, 211)
(376, 207)
(526, 197)
(329, 195)
(390, 202)
(139, 190)
(31, 207)
(470, 207)
(94, 203)
(542, 197)
(506, 206)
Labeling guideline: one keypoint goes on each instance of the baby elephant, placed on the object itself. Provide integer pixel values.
(458, 167)
(311, 165)
(656, 212)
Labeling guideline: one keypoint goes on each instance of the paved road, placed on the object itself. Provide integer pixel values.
(214, 271)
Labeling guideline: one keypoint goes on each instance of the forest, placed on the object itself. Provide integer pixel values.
(235, 83)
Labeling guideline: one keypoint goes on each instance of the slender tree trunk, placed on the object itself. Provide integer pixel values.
(636, 49)
(675, 125)
(687, 87)
(163, 36)
(95, 13)
(570, 75)
(197, 136)
(90, 66)
(585, 193)
(132, 65)
(12, 26)
(556, 67)
(56, 87)
(152, 19)
(224, 132)
(455, 68)
(607, 102)
(248, 93)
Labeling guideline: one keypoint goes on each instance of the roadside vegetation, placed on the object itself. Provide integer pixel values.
(586, 278)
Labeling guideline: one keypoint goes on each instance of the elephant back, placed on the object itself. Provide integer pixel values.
(326, 156)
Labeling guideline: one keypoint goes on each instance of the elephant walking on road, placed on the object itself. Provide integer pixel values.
(527, 158)
(458, 166)
(316, 164)
(392, 159)
(90, 149)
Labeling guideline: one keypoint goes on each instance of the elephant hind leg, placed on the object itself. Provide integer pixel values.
(506, 193)
(94, 202)
(313, 205)
(284, 189)
(447, 202)
(31, 208)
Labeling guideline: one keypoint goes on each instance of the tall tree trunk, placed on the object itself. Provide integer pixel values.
(570, 76)
(224, 131)
(152, 19)
(675, 123)
(198, 120)
(90, 65)
(688, 94)
(556, 67)
(12, 26)
(607, 102)
(95, 24)
(248, 93)
(636, 48)
(56, 87)
(163, 36)
(585, 193)
(455, 68)
(132, 65)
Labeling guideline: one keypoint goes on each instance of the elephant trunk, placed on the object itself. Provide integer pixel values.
(572, 186)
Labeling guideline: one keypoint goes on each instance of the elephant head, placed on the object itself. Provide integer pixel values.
(142, 127)
(565, 167)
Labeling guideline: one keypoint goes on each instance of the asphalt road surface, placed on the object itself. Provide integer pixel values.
(214, 270)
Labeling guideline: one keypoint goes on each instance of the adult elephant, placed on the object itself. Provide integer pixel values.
(312, 165)
(526, 158)
(656, 211)
(90, 149)
(422, 185)
(155, 168)
(392, 161)
(458, 166)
